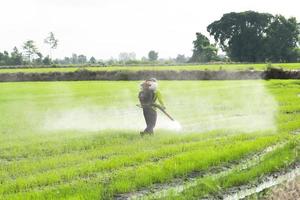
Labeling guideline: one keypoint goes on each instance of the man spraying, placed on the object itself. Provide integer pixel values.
(148, 97)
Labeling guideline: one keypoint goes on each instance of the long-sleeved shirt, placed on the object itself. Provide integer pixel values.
(158, 97)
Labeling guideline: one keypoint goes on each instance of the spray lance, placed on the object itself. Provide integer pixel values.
(157, 106)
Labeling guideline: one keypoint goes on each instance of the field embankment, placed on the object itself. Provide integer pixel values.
(153, 67)
(81, 75)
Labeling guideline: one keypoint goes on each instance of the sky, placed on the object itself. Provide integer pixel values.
(105, 28)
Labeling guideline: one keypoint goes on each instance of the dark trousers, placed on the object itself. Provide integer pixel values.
(150, 116)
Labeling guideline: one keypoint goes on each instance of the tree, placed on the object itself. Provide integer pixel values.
(52, 42)
(67, 60)
(74, 58)
(132, 56)
(1, 59)
(82, 59)
(39, 59)
(4, 58)
(152, 55)
(30, 49)
(241, 35)
(282, 37)
(92, 60)
(180, 58)
(203, 51)
(144, 59)
(125, 57)
(297, 54)
(16, 57)
(47, 60)
(13, 58)
(111, 61)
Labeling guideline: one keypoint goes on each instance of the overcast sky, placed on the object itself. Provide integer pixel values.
(104, 28)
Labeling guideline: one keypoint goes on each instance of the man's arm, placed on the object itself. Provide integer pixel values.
(160, 99)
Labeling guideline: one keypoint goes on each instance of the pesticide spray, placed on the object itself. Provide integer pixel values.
(174, 125)
(243, 106)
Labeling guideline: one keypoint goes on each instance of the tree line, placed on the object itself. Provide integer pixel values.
(244, 36)
(30, 53)
(250, 37)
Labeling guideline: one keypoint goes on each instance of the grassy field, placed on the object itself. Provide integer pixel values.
(287, 66)
(79, 140)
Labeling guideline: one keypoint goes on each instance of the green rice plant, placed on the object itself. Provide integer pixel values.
(221, 127)
(272, 162)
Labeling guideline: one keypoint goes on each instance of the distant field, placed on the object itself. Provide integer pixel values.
(80, 140)
(287, 66)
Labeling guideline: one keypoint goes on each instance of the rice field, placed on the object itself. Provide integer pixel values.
(80, 140)
(232, 67)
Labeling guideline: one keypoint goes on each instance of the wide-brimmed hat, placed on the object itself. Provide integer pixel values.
(152, 79)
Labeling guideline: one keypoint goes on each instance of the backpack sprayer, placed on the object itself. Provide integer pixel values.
(156, 106)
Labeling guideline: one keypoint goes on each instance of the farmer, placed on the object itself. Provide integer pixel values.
(148, 97)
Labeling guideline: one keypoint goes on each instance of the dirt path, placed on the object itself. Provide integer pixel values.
(289, 190)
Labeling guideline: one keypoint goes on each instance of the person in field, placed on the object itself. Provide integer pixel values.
(148, 97)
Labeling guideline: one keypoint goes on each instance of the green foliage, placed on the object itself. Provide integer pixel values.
(152, 55)
(180, 58)
(252, 37)
(82, 59)
(92, 60)
(282, 39)
(15, 57)
(47, 60)
(272, 162)
(39, 59)
(76, 59)
(30, 49)
(203, 51)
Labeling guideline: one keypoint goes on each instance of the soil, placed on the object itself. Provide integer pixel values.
(288, 191)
